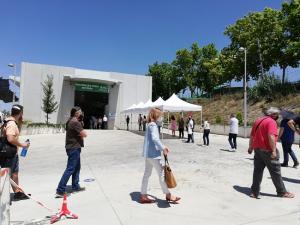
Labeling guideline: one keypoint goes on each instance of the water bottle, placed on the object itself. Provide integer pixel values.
(24, 150)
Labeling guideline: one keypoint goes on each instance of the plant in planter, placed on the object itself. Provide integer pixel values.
(49, 103)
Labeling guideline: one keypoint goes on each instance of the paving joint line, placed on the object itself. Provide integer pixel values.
(254, 221)
(106, 197)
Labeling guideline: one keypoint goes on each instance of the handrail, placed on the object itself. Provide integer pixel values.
(4, 196)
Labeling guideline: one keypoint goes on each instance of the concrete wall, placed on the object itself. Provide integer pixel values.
(224, 130)
(127, 90)
(31, 91)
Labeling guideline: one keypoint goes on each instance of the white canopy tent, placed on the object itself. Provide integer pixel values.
(159, 103)
(147, 106)
(172, 104)
(139, 108)
(129, 109)
(175, 104)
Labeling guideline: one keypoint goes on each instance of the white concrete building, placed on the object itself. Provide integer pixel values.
(96, 92)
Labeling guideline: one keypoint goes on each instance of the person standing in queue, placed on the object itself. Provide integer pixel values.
(74, 142)
(127, 122)
(11, 131)
(206, 131)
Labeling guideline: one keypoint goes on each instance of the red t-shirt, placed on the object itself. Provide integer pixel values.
(266, 126)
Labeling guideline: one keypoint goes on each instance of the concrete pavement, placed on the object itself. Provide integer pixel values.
(213, 183)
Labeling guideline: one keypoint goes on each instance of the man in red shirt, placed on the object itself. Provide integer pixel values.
(263, 140)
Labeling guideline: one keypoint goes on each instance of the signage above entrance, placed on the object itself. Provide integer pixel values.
(92, 87)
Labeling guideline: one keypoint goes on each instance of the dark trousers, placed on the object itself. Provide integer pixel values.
(181, 134)
(263, 159)
(206, 137)
(190, 138)
(287, 150)
(73, 169)
(232, 140)
(127, 126)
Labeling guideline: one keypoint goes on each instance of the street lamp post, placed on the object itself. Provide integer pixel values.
(245, 91)
(14, 75)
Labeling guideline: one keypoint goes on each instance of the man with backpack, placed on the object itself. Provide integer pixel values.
(10, 137)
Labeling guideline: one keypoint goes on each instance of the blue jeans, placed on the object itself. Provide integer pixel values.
(73, 169)
(287, 150)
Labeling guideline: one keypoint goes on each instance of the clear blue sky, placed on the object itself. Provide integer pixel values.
(109, 35)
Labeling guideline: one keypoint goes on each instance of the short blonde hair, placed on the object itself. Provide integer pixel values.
(153, 115)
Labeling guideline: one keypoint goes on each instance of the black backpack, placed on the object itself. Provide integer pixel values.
(7, 150)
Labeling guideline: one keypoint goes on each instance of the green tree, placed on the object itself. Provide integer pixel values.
(210, 69)
(199, 68)
(289, 48)
(260, 33)
(49, 103)
(267, 38)
(183, 64)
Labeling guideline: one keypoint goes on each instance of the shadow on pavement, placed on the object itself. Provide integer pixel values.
(247, 191)
(250, 159)
(13, 199)
(135, 196)
(69, 189)
(202, 145)
(296, 181)
(225, 150)
(142, 133)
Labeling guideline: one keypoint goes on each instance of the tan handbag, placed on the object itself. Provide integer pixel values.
(169, 177)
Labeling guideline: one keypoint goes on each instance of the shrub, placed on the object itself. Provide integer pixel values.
(269, 88)
(218, 119)
(239, 117)
(61, 125)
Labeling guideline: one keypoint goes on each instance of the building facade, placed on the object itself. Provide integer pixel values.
(97, 93)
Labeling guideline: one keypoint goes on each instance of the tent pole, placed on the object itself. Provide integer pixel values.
(201, 118)
(168, 122)
(162, 126)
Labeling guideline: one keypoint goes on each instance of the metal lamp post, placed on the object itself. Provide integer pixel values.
(245, 91)
(15, 74)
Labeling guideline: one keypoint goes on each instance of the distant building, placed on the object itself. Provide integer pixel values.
(6, 95)
(96, 92)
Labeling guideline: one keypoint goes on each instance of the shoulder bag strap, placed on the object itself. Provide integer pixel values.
(166, 160)
(259, 124)
(4, 125)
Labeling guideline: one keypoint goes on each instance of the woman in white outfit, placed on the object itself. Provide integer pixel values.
(152, 153)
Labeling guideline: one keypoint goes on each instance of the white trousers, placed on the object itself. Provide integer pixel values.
(149, 164)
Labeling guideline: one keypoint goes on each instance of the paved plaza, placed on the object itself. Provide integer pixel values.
(213, 183)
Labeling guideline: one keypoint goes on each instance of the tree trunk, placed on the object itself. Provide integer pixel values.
(283, 75)
(47, 118)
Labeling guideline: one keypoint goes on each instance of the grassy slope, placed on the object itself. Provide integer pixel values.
(224, 105)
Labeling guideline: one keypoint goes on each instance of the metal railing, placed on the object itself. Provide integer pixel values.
(4, 196)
